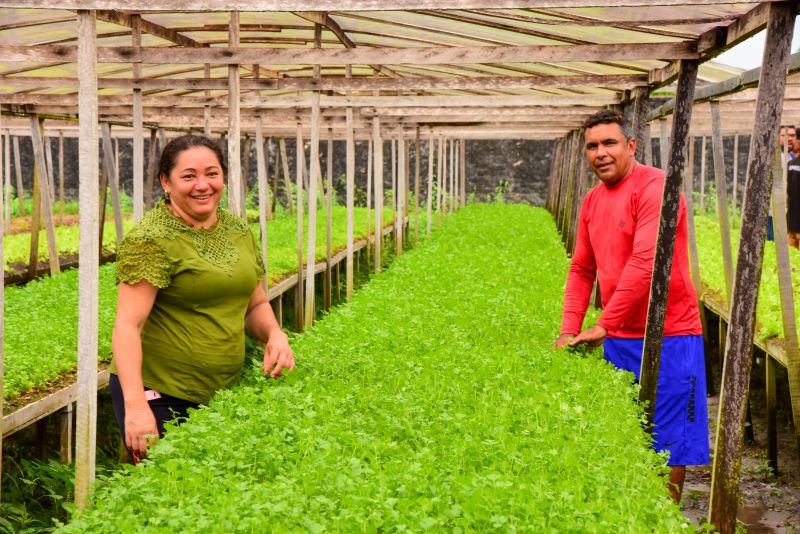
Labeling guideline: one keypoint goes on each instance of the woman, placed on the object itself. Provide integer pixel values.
(188, 277)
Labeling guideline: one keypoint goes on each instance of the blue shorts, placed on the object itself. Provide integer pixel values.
(681, 418)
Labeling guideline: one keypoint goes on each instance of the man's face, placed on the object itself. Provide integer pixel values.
(610, 156)
(792, 138)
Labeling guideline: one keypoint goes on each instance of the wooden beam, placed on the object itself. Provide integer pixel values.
(334, 5)
(85, 433)
(359, 56)
(331, 83)
(263, 199)
(235, 199)
(721, 182)
(127, 19)
(724, 500)
(46, 205)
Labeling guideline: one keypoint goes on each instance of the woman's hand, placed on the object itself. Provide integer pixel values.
(278, 354)
(140, 429)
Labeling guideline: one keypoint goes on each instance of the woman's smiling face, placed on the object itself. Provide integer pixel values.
(195, 186)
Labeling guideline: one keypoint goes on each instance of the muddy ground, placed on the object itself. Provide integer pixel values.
(770, 501)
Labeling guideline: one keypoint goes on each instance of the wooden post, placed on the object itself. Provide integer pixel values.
(369, 195)
(111, 169)
(61, 176)
(640, 126)
(7, 182)
(51, 170)
(312, 212)
(102, 206)
(298, 288)
(722, 197)
(65, 431)
(276, 172)
(400, 208)
(786, 290)
(724, 500)
(694, 261)
(36, 217)
(235, 200)
(207, 108)
(439, 181)
(771, 399)
(37, 128)
(263, 199)
(665, 243)
(245, 174)
(85, 430)
(350, 193)
(393, 195)
(735, 178)
(378, 189)
(703, 178)
(287, 183)
(329, 224)
(462, 154)
(663, 142)
(429, 200)
(453, 171)
(152, 169)
(138, 124)
(416, 185)
(18, 173)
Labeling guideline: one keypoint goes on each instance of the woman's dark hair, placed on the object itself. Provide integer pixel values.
(169, 156)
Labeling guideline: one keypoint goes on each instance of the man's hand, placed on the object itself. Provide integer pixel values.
(563, 340)
(593, 337)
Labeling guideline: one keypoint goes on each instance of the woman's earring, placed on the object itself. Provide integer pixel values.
(166, 198)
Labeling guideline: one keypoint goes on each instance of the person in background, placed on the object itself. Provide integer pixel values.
(789, 142)
(188, 277)
(617, 231)
(793, 202)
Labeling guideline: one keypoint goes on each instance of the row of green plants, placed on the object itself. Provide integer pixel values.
(41, 317)
(712, 274)
(432, 401)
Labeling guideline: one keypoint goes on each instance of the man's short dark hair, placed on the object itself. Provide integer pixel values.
(609, 116)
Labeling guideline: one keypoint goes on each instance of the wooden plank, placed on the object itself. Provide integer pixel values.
(663, 142)
(298, 293)
(235, 200)
(86, 426)
(703, 160)
(665, 243)
(236, 55)
(370, 180)
(36, 217)
(350, 164)
(248, 141)
(724, 500)
(785, 286)
(378, 186)
(722, 198)
(47, 146)
(439, 181)
(18, 174)
(401, 197)
(58, 400)
(37, 128)
(113, 181)
(735, 178)
(772, 427)
(429, 200)
(263, 199)
(66, 434)
(330, 83)
(417, 169)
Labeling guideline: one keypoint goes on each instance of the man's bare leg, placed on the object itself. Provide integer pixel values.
(676, 477)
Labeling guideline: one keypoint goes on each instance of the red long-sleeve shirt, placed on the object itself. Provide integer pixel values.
(617, 231)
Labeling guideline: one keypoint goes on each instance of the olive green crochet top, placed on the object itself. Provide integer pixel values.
(193, 339)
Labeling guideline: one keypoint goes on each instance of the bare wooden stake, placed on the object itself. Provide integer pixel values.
(65, 431)
(369, 195)
(735, 178)
(298, 289)
(417, 164)
(263, 199)
(722, 197)
(786, 288)
(152, 169)
(138, 124)
(235, 200)
(86, 426)
(640, 126)
(350, 192)
(310, 301)
(7, 182)
(665, 243)
(329, 224)
(429, 200)
(61, 177)
(401, 201)
(37, 129)
(18, 173)
(463, 171)
(724, 500)
(378, 189)
(287, 182)
(703, 159)
(111, 169)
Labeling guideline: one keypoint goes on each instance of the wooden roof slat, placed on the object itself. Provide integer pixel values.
(364, 56)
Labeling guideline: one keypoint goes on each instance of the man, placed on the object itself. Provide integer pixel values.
(790, 133)
(793, 202)
(617, 231)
